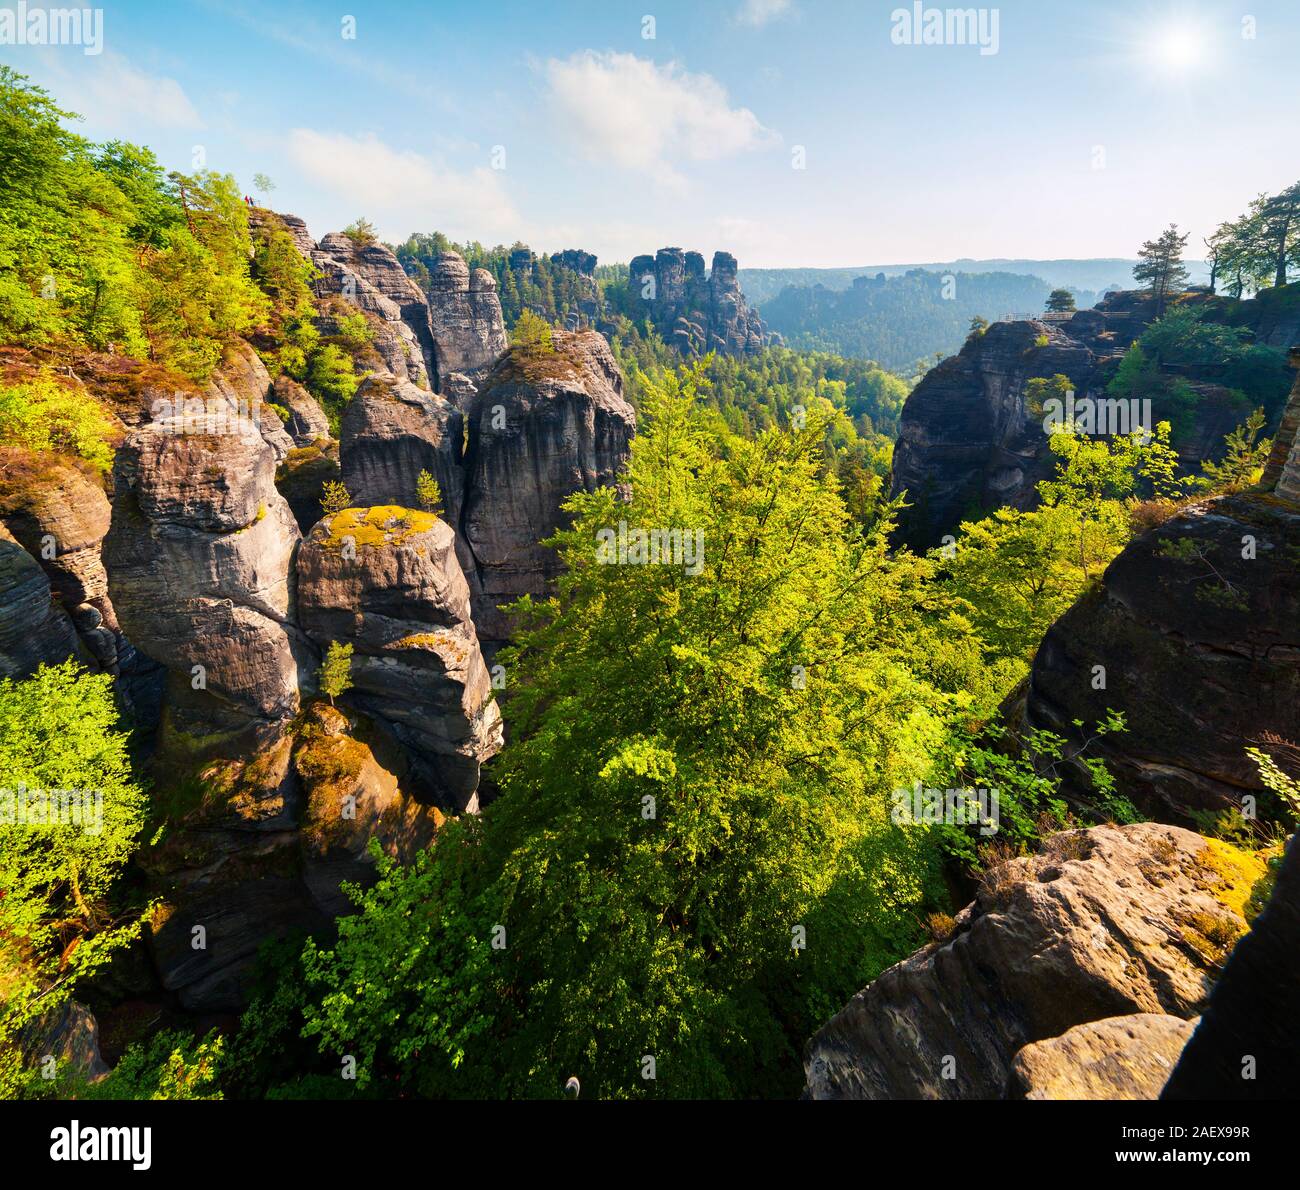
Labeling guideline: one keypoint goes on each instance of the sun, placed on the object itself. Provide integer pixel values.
(1178, 49)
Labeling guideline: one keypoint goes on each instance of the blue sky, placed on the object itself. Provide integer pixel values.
(1093, 126)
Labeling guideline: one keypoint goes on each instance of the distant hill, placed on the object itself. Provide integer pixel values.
(1099, 275)
(901, 319)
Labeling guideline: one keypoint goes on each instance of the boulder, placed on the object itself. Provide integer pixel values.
(1121, 1057)
(1110, 921)
(386, 580)
(544, 425)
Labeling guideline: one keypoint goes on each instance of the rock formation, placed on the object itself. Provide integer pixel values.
(694, 312)
(968, 442)
(1102, 923)
(307, 422)
(199, 557)
(391, 432)
(386, 580)
(466, 317)
(34, 630)
(542, 427)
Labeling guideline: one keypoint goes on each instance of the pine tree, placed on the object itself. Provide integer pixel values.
(1161, 266)
(336, 670)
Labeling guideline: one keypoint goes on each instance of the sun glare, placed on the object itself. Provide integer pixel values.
(1178, 49)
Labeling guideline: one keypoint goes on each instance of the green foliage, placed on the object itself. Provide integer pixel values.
(59, 732)
(1160, 266)
(335, 497)
(43, 414)
(1281, 783)
(361, 232)
(699, 764)
(169, 1065)
(336, 670)
(1060, 301)
(1244, 457)
(330, 376)
(427, 493)
(532, 335)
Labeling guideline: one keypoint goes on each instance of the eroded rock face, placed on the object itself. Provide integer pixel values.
(1121, 1057)
(242, 382)
(199, 557)
(386, 580)
(696, 313)
(34, 629)
(466, 315)
(1107, 922)
(541, 428)
(1195, 625)
(391, 432)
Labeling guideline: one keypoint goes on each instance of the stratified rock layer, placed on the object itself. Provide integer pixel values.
(466, 317)
(697, 313)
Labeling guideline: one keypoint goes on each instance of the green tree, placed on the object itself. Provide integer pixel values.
(700, 774)
(361, 232)
(427, 493)
(532, 334)
(1060, 300)
(336, 670)
(335, 497)
(60, 747)
(1160, 266)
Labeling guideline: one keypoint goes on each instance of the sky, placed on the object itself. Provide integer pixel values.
(793, 133)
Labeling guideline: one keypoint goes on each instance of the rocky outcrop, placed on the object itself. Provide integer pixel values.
(1121, 1057)
(1282, 472)
(545, 424)
(272, 832)
(968, 441)
(370, 277)
(34, 629)
(391, 432)
(243, 385)
(466, 317)
(1195, 628)
(386, 580)
(694, 312)
(1107, 922)
(199, 557)
(302, 477)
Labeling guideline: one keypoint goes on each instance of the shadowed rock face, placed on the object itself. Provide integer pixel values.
(391, 432)
(540, 429)
(199, 556)
(1201, 649)
(34, 630)
(1249, 1025)
(466, 317)
(967, 441)
(387, 581)
(1102, 923)
(307, 421)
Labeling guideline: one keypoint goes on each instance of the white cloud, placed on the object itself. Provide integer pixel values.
(402, 191)
(643, 116)
(111, 93)
(757, 13)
